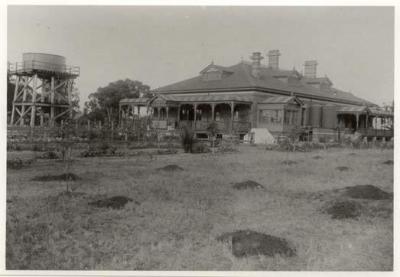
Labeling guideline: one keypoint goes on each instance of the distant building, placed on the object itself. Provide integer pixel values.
(251, 95)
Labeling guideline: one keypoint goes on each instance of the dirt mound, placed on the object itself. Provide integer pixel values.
(62, 177)
(115, 202)
(366, 192)
(247, 185)
(251, 243)
(343, 209)
(171, 167)
(342, 168)
(317, 157)
(289, 162)
(388, 162)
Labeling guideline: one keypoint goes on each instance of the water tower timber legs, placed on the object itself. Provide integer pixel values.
(38, 96)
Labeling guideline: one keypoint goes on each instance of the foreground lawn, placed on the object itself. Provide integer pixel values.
(175, 217)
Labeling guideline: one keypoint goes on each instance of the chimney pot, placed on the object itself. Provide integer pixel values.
(310, 69)
(273, 58)
(256, 64)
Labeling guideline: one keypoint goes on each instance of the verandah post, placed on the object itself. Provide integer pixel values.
(195, 116)
(232, 111)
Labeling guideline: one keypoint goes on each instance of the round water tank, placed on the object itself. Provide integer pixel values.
(41, 61)
(329, 119)
(315, 115)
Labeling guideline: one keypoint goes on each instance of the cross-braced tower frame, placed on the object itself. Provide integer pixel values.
(43, 90)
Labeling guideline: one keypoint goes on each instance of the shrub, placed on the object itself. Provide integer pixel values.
(50, 155)
(36, 148)
(188, 140)
(200, 147)
(17, 163)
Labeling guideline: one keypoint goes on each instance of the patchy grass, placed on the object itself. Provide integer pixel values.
(289, 162)
(180, 215)
(61, 177)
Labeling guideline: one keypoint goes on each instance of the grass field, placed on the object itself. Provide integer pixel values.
(175, 217)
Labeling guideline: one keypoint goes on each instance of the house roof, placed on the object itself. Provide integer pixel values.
(282, 100)
(242, 79)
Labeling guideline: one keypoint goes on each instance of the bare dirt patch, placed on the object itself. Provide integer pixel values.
(366, 192)
(388, 162)
(342, 168)
(115, 202)
(251, 243)
(61, 177)
(171, 168)
(343, 209)
(249, 184)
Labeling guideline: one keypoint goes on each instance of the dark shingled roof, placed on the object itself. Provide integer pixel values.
(241, 79)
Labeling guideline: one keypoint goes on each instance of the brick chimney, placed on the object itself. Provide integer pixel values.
(273, 59)
(310, 69)
(256, 64)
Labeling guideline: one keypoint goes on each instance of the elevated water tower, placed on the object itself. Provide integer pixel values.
(43, 90)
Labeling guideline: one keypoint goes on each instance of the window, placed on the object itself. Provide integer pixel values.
(270, 116)
(212, 76)
(291, 117)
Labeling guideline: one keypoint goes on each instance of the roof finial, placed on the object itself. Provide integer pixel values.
(212, 61)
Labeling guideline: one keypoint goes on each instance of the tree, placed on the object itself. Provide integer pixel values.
(104, 103)
(75, 101)
(212, 130)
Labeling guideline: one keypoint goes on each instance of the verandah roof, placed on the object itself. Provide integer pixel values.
(213, 98)
(373, 111)
(187, 98)
(351, 110)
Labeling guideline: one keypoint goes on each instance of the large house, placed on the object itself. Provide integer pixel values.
(252, 96)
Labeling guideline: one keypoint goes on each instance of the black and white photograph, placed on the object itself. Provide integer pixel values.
(198, 138)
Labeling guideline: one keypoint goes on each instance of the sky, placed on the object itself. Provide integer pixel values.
(354, 46)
